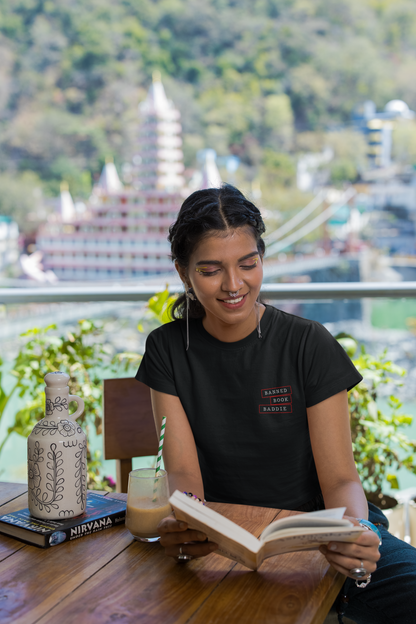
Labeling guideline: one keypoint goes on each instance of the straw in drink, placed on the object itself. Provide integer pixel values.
(159, 455)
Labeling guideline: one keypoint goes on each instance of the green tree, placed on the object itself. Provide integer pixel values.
(21, 198)
(278, 168)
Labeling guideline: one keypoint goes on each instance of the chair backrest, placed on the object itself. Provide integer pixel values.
(128, 426)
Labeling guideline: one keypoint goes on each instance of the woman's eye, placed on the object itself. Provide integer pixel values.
(207, 273)
(247, 267)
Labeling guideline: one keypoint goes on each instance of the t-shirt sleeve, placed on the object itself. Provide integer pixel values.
(155, 369)
(327, 368)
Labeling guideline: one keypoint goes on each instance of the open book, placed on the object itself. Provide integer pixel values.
(306, 531)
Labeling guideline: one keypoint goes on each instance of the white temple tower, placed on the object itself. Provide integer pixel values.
(159, 161)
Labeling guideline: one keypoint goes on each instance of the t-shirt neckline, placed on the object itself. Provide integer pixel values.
(239, 344)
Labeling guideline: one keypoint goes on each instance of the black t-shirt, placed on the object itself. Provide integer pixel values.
(246, 402)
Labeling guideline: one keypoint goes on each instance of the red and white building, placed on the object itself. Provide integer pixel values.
(122, 233)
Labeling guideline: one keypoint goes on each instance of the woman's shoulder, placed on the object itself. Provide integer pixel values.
(299, 330)
(168, 331)
(296, 322)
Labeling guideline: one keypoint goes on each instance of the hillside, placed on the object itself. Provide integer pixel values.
(262, 80)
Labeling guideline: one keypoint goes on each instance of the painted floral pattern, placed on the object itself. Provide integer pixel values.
(49, 497)
(65, 427)
(81, 474)
(33, 473)
(58, 404)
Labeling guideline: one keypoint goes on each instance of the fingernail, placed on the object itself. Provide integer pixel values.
(213, 547)
(182, 525)
(202, 537)
(333, 547)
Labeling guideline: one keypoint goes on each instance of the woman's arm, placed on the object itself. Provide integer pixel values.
(181, 461)
(330, 433)
(179, 450)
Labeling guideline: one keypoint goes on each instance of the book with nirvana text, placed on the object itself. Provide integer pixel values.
(305, 531)
(102, 512)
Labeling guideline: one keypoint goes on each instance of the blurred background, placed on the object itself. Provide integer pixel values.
(111, 113)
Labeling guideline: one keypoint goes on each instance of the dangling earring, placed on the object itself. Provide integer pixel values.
(189, 297)
(258, 319)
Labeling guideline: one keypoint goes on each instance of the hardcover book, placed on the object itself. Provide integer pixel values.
(102, 512)
(305, 531)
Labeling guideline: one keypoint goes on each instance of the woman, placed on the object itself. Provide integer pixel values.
(256, 401)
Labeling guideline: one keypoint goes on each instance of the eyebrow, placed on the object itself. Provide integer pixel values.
(250, 255)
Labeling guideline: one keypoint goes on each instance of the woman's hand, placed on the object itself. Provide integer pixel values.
(175, 535)
(344, 556)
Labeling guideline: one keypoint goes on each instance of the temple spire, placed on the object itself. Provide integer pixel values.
(66, 204)
(159, 158)
(210, 175)
(109, 181)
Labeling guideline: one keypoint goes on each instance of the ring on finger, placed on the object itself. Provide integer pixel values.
(359, 573)
(182, 557)
(364, 583)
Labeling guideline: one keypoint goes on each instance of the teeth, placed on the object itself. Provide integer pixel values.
(233, 300)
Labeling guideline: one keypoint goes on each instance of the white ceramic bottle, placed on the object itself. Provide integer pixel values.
(57, 456)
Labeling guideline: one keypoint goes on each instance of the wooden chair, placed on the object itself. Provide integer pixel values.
(128, 426)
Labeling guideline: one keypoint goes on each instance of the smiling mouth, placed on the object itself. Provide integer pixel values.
(233, 301)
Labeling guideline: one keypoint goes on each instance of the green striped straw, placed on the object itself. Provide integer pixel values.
(159, 455)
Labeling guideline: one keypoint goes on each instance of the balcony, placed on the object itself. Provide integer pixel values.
(379, 315)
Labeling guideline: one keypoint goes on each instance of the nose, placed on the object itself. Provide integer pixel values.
(232, 282)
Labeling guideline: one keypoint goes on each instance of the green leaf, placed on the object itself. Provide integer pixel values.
(349, 344)
(156, 303)
(392, 479)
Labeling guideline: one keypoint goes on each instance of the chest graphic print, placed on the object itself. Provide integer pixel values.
(276, 400)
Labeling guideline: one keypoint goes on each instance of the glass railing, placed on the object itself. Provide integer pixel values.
(378, 315)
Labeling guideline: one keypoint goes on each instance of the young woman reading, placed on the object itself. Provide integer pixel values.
(257, 405)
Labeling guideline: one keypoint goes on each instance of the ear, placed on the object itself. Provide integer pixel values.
(182, 274)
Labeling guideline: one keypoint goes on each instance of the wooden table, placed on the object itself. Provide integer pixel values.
(109, 578)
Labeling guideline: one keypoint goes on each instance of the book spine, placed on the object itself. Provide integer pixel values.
(86, 528)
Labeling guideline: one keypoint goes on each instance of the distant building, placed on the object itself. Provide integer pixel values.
(311, 172)
(208, 176)
(122, 232)
(9, 242)
(378, 128)
(391, 213)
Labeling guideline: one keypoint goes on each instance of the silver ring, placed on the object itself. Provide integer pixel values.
(358, 573)
(182, 557)
(364, 583)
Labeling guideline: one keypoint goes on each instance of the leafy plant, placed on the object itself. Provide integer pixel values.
(157, 313)
(379, 445)
(82, 356)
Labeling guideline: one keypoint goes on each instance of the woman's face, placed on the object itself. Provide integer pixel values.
(221, 264)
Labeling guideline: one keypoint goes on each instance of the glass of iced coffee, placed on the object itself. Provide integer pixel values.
(147, 503)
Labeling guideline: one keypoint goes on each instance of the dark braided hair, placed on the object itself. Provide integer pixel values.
(205, 211)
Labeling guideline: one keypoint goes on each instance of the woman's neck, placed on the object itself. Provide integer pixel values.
(226, 332)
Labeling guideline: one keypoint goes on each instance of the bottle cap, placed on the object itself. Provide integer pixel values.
(56, 379)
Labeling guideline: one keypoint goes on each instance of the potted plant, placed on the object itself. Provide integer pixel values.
(380, 445)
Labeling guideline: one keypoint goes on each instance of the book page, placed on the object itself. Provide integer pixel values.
(234, 541)
(307, 521)
(288, 543)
